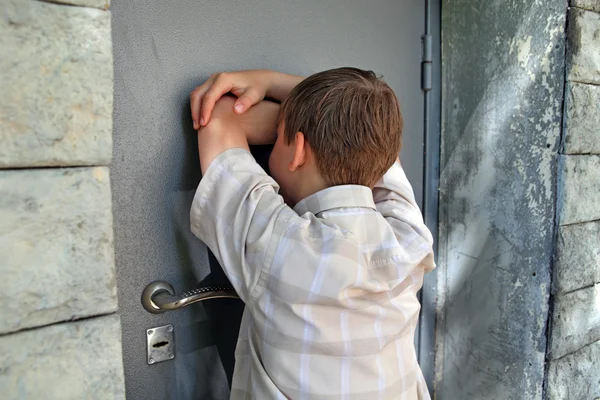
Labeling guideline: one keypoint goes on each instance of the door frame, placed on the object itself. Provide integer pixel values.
(431, 176)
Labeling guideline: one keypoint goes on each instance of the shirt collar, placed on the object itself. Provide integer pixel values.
(336, 197)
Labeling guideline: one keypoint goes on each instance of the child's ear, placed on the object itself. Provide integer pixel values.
(299, 157)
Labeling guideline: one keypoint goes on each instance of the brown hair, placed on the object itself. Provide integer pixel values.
(352, 121)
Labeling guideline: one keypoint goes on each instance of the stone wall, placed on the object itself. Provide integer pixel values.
(574, 332)
(502, 95)
(59, 332)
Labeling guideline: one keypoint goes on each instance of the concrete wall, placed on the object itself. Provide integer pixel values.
(502, 95)
(60, 336)
(519, 286)
(574, 345)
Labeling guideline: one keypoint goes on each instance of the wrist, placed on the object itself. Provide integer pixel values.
(280, 84)
(214, 127)
(271, 79)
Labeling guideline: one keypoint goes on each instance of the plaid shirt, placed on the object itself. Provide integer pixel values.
(330, 286)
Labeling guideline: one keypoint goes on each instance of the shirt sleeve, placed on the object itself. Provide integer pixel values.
(395, 200)
(234, 213)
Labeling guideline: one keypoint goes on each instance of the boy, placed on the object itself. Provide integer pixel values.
(329, 269)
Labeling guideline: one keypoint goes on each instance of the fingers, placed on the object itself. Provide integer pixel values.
(248, 88)
(196, 101)
(247, 100)
(218, 88)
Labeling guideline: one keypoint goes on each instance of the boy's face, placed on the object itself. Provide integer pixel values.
(279, 161)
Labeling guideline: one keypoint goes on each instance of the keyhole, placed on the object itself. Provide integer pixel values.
(160, 344)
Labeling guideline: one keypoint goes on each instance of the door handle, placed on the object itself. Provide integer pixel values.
(159, 297)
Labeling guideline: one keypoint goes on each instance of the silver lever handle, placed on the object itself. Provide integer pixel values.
(159, 296)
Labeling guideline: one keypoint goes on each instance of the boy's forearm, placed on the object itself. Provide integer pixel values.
(260, 123)
(282, 84)
(217, 138)
(227, 130)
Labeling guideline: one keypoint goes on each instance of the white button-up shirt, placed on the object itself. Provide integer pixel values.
(330, 286)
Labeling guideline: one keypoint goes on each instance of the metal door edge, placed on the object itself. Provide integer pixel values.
(431, 175)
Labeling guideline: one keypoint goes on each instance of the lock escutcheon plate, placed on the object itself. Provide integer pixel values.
(160, 344)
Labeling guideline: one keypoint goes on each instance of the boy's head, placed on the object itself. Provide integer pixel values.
(337, 127)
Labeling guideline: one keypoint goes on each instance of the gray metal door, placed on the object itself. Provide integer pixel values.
(162, 51)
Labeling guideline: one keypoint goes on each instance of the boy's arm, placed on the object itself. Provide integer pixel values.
(236, 209)
(227, 130)
(395, 200)
(250, 87)
(282, 84)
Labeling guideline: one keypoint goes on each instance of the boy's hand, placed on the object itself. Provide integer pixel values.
(249, 86)
(228, 130)
(258, 124)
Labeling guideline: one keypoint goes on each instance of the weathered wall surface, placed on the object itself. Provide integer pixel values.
(56, 238)
(574, 334)
(502, 96)
(57, 85)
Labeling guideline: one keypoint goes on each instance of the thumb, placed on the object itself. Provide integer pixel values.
(247, 100)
